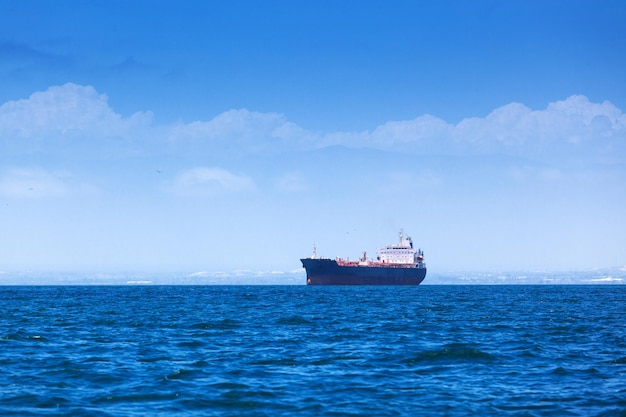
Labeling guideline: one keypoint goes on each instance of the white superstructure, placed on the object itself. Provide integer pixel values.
(401, 253)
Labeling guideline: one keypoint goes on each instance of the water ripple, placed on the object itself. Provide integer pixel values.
(196, 351)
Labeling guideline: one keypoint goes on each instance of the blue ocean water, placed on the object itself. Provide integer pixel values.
(318, 351)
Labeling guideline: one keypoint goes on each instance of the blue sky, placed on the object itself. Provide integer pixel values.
(216, 136)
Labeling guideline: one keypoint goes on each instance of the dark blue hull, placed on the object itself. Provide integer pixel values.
(328, 272)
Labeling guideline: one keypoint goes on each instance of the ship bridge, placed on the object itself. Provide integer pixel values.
(401, 253)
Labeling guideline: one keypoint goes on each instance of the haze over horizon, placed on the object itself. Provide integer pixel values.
(209, 136)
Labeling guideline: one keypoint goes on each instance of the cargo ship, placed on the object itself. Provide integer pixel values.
(395, 264)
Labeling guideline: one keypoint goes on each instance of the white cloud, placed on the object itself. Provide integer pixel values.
(580, 108)
(66, 109)
(232, 123)
(203, 180)
(571, 125)
(568, 125)
(504, 125)
(245, 130)
(422, 129)
(569, 121)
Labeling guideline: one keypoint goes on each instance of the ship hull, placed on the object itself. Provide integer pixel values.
(328, 272)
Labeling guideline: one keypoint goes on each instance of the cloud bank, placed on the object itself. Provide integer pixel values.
(568, 126)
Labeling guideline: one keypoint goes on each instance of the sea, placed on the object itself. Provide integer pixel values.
(239, 350)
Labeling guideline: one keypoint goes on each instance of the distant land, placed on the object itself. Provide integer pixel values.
(603, 276)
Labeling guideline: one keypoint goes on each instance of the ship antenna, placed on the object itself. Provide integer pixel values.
(314, 251)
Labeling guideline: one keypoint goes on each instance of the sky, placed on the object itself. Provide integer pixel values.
(200, 136)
